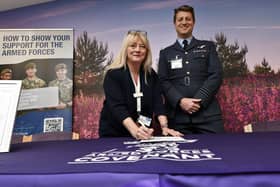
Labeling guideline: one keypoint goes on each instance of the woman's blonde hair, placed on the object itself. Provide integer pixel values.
(120, 60)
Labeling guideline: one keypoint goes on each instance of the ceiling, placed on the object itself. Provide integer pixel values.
(12, 4)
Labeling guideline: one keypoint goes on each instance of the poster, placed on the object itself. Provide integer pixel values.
(43, 60)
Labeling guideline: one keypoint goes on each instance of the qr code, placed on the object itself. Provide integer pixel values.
(53, 124)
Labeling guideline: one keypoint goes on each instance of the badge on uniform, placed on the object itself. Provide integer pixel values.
(143, 120)
(200, 49)
(177, 63)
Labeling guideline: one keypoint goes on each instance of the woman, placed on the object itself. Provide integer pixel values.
(132, 92)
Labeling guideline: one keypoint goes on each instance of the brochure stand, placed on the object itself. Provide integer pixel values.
(9, 96)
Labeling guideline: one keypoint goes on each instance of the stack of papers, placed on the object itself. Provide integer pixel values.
(167, 139)
(163, 139)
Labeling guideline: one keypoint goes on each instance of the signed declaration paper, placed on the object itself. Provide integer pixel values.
(9, 95)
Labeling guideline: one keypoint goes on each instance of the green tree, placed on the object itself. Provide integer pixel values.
(233, 58)
(263, 68)
(91, 58)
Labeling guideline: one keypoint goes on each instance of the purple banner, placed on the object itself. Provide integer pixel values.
(210, 154)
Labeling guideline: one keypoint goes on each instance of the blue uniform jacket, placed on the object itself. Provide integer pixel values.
(193, 73)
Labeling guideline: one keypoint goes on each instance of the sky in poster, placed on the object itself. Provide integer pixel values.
(252, 22)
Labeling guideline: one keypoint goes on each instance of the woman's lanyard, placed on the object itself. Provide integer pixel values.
(138, 94)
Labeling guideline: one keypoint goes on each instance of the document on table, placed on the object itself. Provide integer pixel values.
(162, 139)
(168, 139)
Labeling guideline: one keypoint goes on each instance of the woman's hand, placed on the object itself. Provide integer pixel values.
(139, 132)
(143, 133)
(164, 127)
(167, 131)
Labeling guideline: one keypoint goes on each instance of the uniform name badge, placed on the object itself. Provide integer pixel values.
(143, 120)
(176, 64)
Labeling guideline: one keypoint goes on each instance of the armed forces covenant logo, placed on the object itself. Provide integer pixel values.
(145, 151)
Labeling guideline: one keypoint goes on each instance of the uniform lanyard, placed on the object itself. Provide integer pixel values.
(138, 94)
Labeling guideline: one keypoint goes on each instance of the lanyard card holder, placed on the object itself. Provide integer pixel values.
(143, 120)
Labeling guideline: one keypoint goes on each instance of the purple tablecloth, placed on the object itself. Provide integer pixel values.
(245, 180)
(81, 180)
(231, 153)
(212, 159)
(139, 180)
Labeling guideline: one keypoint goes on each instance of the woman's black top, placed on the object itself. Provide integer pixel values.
(120, 103)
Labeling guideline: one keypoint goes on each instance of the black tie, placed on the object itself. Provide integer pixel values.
(185, 42)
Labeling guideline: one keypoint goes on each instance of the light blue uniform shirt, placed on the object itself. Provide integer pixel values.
(180, 40)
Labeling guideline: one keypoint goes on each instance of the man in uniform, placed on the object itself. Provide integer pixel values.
(6, 74)
(32, 81)
(191, 74)
(64, 84)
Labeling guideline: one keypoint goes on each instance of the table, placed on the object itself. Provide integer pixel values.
(213, 160)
